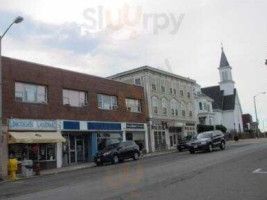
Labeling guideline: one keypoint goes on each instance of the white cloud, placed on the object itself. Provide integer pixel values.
(194, 51)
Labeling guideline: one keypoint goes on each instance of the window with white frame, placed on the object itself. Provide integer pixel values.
(183, 109)
(162, 85)
(31, 93)
(190, 109)
(155, 104)
(107, 102)
(181, 93)
(153, 84)
(137, 81)
(200, 106)
(133, 105)
(74, 98)
(164, 106)
(174, 107)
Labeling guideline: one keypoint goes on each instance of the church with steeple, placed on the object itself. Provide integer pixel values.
(226, 104)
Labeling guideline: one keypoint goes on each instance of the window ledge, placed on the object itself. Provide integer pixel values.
(31, 103)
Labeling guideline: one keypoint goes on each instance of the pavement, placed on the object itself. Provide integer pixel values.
(239, 172)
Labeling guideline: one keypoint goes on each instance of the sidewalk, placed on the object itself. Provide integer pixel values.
(86, 165)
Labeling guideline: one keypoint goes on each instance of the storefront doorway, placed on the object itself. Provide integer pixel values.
(175, 133)
(75, 149)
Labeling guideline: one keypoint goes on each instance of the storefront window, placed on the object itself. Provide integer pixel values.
(33, 152)
(104, 139)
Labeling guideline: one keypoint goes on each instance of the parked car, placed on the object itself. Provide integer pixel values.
(183, 143)
(117, 152)
(207, 141)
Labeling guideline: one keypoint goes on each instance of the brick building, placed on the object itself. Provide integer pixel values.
(61, 117)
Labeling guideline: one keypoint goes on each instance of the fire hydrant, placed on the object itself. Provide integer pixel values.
(12, 167)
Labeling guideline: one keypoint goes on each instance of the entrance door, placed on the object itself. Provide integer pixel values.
(79, 149)
(171, 141)
(76, 149)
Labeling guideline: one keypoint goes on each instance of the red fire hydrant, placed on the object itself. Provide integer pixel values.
(37, 169)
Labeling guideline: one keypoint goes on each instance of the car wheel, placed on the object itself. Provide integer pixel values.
(99, 164)
(180, 150)
(115, 159)
(222, 146)
(136, 156)
(192, 151)
(210, 148)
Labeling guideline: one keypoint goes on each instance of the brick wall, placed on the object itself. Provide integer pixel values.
(56, 79)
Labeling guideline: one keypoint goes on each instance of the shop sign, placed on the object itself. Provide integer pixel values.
(135, 126)
(28, 124)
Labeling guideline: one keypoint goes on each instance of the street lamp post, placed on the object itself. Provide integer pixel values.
(256, 114)
(16, 21)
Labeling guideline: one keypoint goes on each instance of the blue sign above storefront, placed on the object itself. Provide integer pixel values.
(104, 126)
(32, 125)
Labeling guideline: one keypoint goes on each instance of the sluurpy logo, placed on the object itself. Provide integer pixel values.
(131, 19)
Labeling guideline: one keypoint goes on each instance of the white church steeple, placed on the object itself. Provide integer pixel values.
(226, 84)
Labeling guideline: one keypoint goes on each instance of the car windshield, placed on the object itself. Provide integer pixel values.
(204, 135)
(111, 146)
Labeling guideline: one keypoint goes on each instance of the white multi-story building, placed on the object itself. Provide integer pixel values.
(226, 104)
(203, 107)
(170, 100)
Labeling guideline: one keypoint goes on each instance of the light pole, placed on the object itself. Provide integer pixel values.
(16, 21)
(256, 114)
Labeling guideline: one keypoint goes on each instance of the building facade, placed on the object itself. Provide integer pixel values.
(226, 104)
(59, 117)
(170, 101)
(203, 107)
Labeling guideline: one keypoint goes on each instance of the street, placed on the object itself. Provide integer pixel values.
(239, 172)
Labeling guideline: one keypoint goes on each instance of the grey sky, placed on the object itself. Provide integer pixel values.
(54, 33)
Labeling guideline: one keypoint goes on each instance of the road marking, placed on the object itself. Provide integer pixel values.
(258, 171)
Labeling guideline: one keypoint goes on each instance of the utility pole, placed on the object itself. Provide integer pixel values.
(256, 113)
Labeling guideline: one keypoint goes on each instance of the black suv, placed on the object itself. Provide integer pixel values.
(207, 141)
(183, 143)
(117, 152)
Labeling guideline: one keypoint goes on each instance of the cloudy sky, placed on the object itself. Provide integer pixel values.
(103, 37)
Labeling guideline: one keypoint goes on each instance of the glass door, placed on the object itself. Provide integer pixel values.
(80, 149)
(72, 149)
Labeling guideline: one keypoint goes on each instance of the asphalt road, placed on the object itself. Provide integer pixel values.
(218, 175)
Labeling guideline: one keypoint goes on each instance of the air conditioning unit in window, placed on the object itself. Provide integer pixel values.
(85, 103)
(67, 104)
(114, 107)
(19, 99)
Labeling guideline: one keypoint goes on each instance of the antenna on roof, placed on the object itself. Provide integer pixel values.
(222, 45)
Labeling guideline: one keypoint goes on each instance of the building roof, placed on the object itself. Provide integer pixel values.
(224, 62)
(220, 102)
(150, 69)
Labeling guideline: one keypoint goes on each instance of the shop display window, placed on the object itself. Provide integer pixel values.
(35, 152)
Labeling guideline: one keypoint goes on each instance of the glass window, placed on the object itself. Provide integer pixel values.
(181, 92)
(34, 152)
(153, 85)
(188, 94)
(74, 98)
(200, 106)
(162, 85)
(164, 106)
(30, 93)
(137, 81)
(155, 105)
(133, 105)
(174, 107)
(107, 102)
